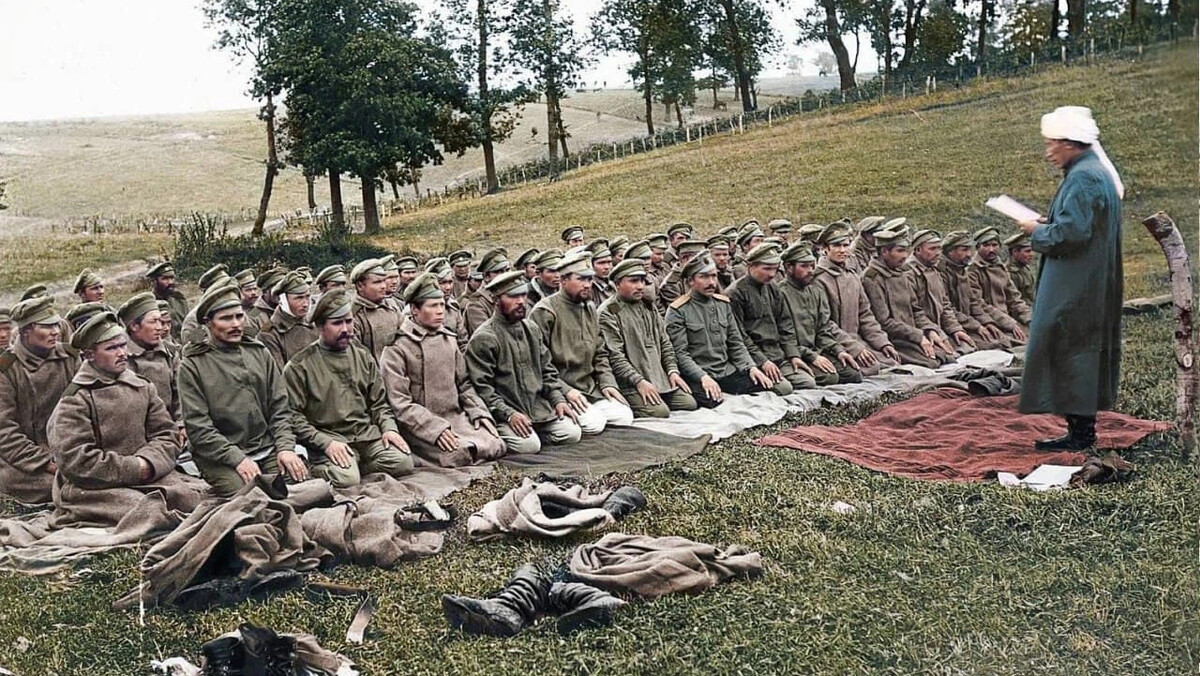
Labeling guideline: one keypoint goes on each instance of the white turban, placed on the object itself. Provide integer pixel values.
(1075, 123)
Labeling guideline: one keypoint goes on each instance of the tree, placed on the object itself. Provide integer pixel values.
(739, 33)
(1076, 19)
(941, 35)
(654, 31)
(481, 25)
(827, 21)
(245, 29)
(987, 14)
(914, 14)
(366, 90)
(1027, 29)
(826, 63)
(543, 38)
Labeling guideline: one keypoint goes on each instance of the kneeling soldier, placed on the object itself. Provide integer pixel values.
(341, 412)
(112, 437)
(820, 341)
(235, 403)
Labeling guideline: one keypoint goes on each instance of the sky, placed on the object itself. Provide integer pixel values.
(91, 58)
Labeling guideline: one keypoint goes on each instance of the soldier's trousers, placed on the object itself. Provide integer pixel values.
(562, 431)
(367, 457)
(845, 374)
(675, 400)
(910, 353)
(738, 382)
(224, 479)
(603, 413)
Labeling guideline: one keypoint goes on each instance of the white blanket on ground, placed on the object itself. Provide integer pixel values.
(742, 412)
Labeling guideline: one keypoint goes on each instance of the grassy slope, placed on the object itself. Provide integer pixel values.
(925, 577)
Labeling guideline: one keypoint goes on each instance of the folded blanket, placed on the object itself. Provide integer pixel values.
(952, 436)
(540, 510)
(650, 567)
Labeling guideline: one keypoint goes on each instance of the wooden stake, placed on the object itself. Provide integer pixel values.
(1163, 229)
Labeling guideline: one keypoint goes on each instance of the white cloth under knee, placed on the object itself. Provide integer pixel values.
(603, 413)
(560, 431)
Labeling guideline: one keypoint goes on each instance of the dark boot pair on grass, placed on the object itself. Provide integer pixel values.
(531, 594)
(257, 651)
(1080, 436)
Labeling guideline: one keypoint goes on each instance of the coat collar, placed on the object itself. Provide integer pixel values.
(418, 333)
(90, 376)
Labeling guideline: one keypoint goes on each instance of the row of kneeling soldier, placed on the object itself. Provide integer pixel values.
(396, 362)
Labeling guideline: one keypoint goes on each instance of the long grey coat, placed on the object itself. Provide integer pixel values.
(1073, 358)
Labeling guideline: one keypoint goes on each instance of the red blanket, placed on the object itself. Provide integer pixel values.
(949, 435)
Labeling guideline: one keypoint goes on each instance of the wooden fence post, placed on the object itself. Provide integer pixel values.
(1064, 53)
(1163, 229)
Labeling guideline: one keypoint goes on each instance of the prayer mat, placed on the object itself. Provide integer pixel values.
(616, 449)
(949, 435)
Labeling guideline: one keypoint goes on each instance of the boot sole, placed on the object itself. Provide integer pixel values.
(463, 618)
(586, 618)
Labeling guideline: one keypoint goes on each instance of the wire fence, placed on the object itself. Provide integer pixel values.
(915, 81)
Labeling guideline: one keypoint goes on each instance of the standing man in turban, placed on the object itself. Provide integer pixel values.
(1073, 358)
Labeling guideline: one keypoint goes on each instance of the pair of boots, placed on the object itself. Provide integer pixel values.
(1081, 435)
(258, 651)
(528, 595)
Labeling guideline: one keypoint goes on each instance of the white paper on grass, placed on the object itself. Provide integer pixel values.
(1044, 478)
(1012, 208)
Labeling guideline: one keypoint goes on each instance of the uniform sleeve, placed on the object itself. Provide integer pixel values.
(481, 366)
(296, 376)
(739, 300)
(376, 396)
(203, 437)
(553, 388)
(279, 412)
(611, 334)
(923, 321)
(735, 343)
(787, 328)
(868, 324)
(827, 337)
(677, 330)
(468, 399)
(1018, 309)
(883, 312)
(416, 419)
(602, 368)
(16, 449)
(474, 316)
(544, 318)
(162, 443)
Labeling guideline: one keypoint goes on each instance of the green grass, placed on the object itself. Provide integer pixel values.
(923, 578)
(27, 259)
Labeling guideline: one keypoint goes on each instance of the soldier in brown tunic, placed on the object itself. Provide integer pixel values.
(460, 261)
(975, 319)
(894, 303)
(931, 294)
(546, 282)
(113, 439)
(990, 278)
(479, 305)
(290, 330)
(1020, 267)
(375, 320)
(34, 371)
(146, 354)
(425, 375)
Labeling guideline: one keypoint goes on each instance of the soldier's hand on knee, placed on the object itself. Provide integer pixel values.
(711, 389)
(677, 380)
(396, 441)
(650, 393)
(613, 394)
(891, 353)
(846, 359)
(761, 378)
(448, 441)
(336, 451)
(1018, 333)
(248, 470)
(927, 348)
(866, 359)
(772, 371)
(293, 466)
(964, 339)
(577, 401)
(799, 365)
(521, 424)
(487, 424)
(564, 410)
(822, 362)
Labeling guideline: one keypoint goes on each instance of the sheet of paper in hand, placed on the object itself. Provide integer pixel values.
(1012, 208)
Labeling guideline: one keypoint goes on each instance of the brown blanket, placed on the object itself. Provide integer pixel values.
(540, 510)
(618, 449)
(649, 567)
(952, 436)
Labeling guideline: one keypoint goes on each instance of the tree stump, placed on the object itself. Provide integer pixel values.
(1163, 229)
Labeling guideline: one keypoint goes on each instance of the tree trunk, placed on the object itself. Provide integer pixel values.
(260, 221)
(482, 21)
(1133, 12)
(739, 55)
(395, 188)
(1055, 19)
(1187, 381)
(648, 88)
(915, 13)
(887, 39)
(370, 213)
(833, 34)
(678, 115)
(549, 76)
(310, 186)
(987, 9)
(337, 217)
(1076, 16)
(562, 130)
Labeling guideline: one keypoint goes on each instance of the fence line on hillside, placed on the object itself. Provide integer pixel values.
(916, 83)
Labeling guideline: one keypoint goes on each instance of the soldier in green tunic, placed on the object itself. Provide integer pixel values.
(546, 282)
(248, 284)
(89, 287)
(461, 262)
(602, 265)
(527, 261)
(749, 236)
(163, 278)
(571, 328)
(480, 305)
(513, 374)
(673, 286)
(639, 350)
(709, 346)
(677, 233)
(781, 228)
(1073, 359)
(821, 343)
(572, 236)
(1020, 266)
(341, 410)
(375, 320)
(235, 402)
(264, 307)
(658, 266)
(718, 251)
(763, 317)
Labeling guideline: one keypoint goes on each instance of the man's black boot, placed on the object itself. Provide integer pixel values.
(267, 653)
(223, 656)
(624, 500)
(506, 613)
(582, 606)
(1081, 435)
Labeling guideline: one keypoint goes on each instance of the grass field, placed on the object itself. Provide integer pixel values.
(924, 577)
